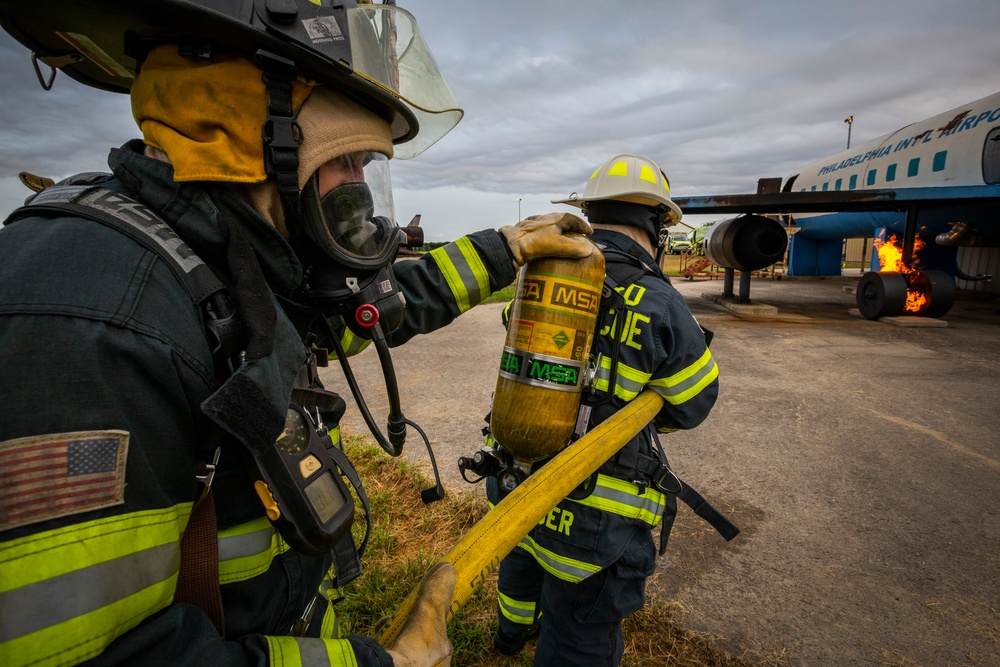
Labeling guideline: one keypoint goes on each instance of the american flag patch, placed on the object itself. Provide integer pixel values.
(48, 476)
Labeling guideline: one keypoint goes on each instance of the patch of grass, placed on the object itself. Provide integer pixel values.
(501, 296)
(671, 265)
(408, 537)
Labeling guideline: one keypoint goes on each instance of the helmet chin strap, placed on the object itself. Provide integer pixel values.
(664, 234)
(281, 134)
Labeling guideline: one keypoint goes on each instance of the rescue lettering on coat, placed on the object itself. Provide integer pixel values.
(574, 297)
(558, 520)
(630, 332)
(633, 294)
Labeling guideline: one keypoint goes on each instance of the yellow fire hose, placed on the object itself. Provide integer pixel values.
(480, 551)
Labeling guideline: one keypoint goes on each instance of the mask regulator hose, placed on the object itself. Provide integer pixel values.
(397, 423)
(393, 446)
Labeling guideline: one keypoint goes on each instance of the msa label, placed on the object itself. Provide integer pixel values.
(540, 370)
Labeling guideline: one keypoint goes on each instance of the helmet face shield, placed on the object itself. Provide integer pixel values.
(373, 53)
(388, 50)
(353, 222)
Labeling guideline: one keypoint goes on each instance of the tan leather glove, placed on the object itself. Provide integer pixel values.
(423, 641)
(543, 236)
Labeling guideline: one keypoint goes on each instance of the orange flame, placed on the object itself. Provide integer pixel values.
(890, 257)
(914, 301)
(890, 254)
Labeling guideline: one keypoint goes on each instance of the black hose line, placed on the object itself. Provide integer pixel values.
(397, 423)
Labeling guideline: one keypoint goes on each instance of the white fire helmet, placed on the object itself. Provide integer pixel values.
(631, 178)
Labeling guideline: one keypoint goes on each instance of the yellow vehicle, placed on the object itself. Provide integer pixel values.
(678, 243)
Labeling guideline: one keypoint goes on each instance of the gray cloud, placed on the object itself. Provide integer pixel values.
(719, 92)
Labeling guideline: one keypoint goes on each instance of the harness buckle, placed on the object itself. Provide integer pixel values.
(205, 472)
(666, 481)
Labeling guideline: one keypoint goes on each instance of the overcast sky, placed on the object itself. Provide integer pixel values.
(718, 92)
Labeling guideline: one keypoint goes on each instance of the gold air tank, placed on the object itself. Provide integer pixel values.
(545, 355)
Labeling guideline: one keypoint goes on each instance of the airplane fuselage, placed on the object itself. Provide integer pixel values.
(956, 148)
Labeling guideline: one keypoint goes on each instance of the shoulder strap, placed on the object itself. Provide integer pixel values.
(133, 219)
(621, 269)
(624, 266)
(79, 196)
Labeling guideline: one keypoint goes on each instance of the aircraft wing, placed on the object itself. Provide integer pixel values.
(887, 199)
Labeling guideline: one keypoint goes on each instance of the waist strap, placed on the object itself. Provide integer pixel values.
(656, 474)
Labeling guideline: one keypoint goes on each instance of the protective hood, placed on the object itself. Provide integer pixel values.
(206, 116)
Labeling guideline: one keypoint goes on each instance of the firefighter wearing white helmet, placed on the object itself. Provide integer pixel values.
(578, 573)
(637, 180)
(188, 296)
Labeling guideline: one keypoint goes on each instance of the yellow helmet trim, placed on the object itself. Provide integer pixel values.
(618, 169)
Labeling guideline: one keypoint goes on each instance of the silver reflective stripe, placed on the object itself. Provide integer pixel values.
(312, 651)
(565, 568)
(464, 272)
(517, 611)
(623, 498)
(686, 384)
(82, 591)
(625, 388)
(249, 544)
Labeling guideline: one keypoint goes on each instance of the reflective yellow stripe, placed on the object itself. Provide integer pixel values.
(299, 651)
(516, 611)
(247, 550)
(618, 169)
(330, 628)
(689, 382)
(620, 497)
(628, 381)
(66, 594)
(560, 566)
(352, 344)
(464, 272)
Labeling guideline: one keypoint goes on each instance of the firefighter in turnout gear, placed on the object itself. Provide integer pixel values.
(158, 323)
(583, 568)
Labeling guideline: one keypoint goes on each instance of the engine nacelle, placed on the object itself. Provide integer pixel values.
(746, 243)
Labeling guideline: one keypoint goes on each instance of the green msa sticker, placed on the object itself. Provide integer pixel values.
(540, 370)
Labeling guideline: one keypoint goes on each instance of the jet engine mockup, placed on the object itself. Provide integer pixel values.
(746, 243)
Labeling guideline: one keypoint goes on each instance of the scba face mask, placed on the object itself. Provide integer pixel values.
(354, 241)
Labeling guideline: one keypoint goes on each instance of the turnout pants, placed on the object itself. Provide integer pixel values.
(579, 623)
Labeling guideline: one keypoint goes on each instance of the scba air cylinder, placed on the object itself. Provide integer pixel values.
(545, 355)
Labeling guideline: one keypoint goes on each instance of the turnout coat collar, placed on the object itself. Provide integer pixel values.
(252, 402)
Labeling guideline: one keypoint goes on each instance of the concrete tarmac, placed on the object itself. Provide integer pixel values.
(861, 461)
